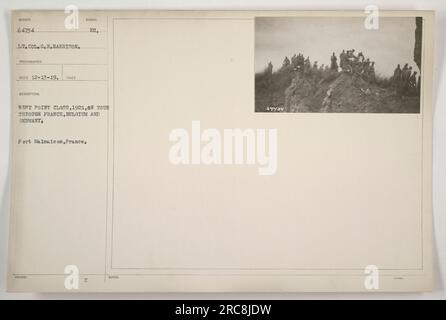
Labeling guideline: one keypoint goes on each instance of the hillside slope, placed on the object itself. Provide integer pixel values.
(291, 91)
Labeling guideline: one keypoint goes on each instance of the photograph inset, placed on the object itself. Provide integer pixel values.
(336, 64)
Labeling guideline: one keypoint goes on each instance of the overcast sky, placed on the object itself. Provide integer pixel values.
(318, 37)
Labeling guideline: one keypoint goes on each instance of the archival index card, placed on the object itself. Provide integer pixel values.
(226, 151)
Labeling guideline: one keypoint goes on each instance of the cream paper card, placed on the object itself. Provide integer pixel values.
(206, 151)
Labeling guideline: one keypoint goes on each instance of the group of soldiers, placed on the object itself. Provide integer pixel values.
(405, 81)
(357, 64)
(300, 63)
(349, 62)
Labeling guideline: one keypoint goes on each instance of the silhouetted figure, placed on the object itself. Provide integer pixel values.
(406, 78)
(397, 80)
(397, 74)
(413, 83)
(294, 61)
(404, 72)
(342, 60)
(307, 66)
(269, 69)
(334, 63)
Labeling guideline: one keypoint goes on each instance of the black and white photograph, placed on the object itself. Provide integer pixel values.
(338, 65)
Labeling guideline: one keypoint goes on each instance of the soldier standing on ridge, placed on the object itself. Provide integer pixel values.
(406, 78)
(350, 59)
(342, 59)
(315, 70)
(300, 61)
(294, 61)
(366, 66)
(397, 74)
(334, 63)
(413, 83)
(269, 69)
(352, 53)
(307, 65)
(396, 79)
(404, 72)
